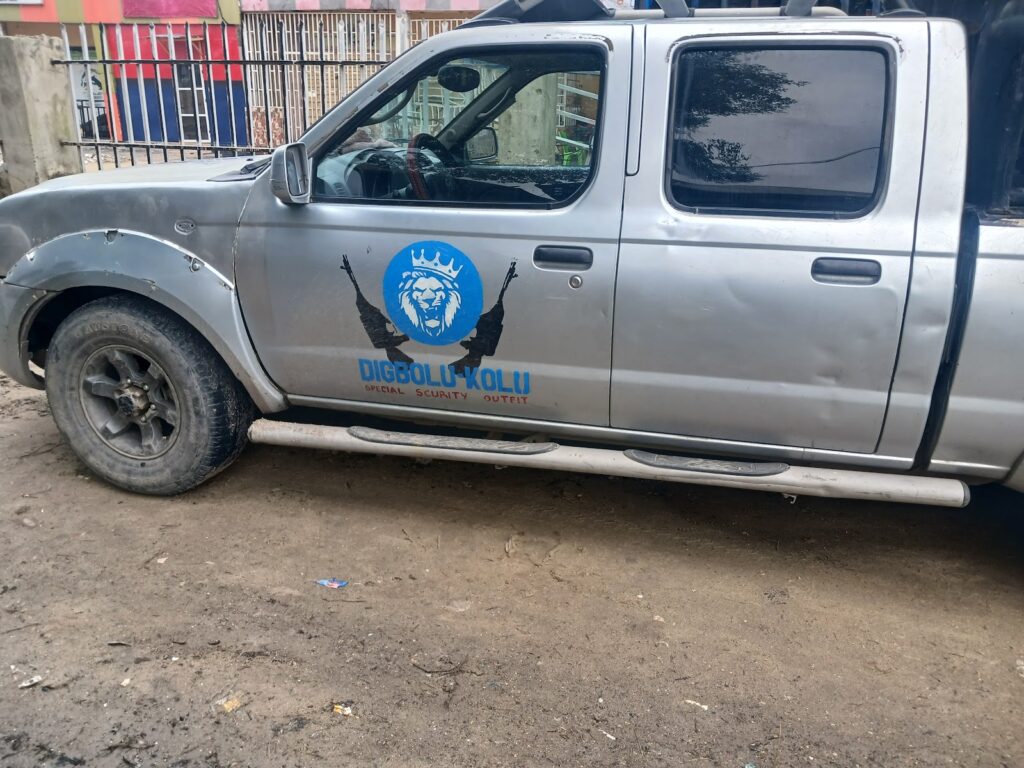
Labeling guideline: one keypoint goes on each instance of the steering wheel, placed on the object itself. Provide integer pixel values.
(414, 165)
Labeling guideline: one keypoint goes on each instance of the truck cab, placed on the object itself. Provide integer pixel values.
(746, 220)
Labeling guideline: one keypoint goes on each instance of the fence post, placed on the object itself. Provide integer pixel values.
(36, 112)
(401, 32)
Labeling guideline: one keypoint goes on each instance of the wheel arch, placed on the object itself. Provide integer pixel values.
(77, 268)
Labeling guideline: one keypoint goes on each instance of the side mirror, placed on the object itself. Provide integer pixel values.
(289, 174)
(483, 145)
(458, 79)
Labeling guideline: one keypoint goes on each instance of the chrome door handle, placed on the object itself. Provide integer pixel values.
(574, 257)
(846, 271)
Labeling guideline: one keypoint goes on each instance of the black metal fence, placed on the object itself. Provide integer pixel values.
(148, 93)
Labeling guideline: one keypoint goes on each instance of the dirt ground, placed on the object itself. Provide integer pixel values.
(493, 618)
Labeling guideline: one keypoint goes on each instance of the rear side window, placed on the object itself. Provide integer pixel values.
(778, 130)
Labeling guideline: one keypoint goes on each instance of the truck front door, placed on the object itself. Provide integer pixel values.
(768, 232)
(432, 268)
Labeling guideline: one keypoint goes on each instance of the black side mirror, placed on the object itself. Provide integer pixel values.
(289, 174)
(459, 79)
(482, 145)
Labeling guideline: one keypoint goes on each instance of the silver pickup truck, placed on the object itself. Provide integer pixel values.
(740, 248)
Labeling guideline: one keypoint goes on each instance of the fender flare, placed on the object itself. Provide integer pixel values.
(167, 274)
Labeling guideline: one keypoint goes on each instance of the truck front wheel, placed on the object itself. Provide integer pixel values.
(144, 400)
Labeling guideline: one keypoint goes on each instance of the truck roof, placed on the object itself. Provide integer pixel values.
(563, 11)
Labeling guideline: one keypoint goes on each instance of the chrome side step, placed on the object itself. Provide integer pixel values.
(450, 443)
(796, 481)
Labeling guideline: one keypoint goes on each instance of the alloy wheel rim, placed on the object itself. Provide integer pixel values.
(129, 402)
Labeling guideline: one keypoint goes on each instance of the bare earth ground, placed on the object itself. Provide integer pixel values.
(493, 618)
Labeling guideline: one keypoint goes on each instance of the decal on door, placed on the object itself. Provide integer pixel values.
(434, 295)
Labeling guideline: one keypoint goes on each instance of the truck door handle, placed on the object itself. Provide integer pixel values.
(568, 257)
(846, 271)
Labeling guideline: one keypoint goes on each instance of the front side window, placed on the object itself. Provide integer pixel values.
(514, 128)
(778, 130)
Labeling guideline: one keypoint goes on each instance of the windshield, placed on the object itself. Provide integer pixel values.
(427, 105)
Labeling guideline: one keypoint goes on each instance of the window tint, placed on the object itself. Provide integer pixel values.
(778, 130)
(509, 128)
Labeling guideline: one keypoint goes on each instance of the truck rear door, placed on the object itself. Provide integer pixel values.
(768, 230)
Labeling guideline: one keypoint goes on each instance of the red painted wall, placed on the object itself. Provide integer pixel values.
(169, 9)
(172, 42)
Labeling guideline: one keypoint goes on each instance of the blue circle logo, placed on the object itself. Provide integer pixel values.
(433, 292)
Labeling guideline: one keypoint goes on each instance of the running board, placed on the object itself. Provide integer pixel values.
(779, 478)
(711, 466)
(450, 443)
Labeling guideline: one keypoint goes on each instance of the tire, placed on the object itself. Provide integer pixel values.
(143, 400)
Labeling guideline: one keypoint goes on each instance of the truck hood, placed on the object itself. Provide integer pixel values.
(162, 173)
(147, 199)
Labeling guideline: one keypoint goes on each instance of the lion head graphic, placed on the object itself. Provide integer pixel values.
(433, 293)
(429, 296)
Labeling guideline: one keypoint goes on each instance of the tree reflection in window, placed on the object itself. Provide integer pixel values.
(720, 83)
(787, 128)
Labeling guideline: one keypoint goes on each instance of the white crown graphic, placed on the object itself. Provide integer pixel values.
(435, 265)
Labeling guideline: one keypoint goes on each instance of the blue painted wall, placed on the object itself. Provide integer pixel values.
(217, 94)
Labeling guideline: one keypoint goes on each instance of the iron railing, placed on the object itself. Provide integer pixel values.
(160, 92)
(328, 55)
(150, 92)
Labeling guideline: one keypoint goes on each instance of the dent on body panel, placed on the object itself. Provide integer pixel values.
(69, 260)
(925, 326)
(747, 331)
(154, 210)
(737, 310)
